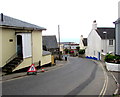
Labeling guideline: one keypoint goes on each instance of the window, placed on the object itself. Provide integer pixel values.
(110, 42)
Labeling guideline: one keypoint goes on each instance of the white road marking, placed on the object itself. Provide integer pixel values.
(116, 91)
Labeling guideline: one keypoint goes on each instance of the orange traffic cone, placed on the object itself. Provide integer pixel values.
(43, 70)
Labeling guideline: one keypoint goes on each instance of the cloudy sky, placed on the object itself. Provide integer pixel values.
(75, 17)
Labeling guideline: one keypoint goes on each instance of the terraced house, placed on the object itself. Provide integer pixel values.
(21, 44)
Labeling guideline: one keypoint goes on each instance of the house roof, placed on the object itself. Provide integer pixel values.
(67, 43)
(6, 21)
(109, 35)
(117, 21)
(46, 53)
(50, 41)
(85, 41)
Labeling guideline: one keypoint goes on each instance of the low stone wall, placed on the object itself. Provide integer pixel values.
(112, 66)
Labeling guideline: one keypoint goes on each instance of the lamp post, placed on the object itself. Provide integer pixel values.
(105, 33)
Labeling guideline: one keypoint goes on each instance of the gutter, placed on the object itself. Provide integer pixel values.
(21, 28)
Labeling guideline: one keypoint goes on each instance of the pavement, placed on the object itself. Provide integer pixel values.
(115, 75)
(5, 77)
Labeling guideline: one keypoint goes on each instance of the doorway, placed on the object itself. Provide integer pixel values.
(99, 56)
(19, 46)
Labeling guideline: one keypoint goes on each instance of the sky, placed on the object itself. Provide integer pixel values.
(75, 17)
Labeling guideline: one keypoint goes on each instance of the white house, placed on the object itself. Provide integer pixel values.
(83, 42)
(101, 40)
(69, 45)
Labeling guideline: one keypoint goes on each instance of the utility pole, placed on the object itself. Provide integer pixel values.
(59, 39)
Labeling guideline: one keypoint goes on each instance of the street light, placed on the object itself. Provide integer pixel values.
(105, 40)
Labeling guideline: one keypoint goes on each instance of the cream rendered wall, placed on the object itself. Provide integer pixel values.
(8, 48)
(26, 63)
(46, 59)
(37, 46)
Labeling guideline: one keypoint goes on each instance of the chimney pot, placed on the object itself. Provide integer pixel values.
(94, 25)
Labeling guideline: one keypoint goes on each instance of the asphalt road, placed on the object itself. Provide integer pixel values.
(77, 77)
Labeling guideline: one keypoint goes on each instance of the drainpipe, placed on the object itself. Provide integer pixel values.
(2, 17)
(31, 47)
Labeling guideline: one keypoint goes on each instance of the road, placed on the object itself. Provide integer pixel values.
(77, 77)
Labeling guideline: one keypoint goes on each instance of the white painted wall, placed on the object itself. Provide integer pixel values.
(81, 43)
(74, 46)
(119, 9)
(106, 47)
(94, 44)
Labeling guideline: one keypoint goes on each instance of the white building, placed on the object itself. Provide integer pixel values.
(101, 40)
(83, 42)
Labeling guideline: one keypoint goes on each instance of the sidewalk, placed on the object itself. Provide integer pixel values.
(22, 74)
(115, 75)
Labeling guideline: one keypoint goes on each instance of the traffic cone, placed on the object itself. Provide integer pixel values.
(43, 70)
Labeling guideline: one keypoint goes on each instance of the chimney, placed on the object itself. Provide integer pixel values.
(81, 37)
(94, 25)
(2, 17)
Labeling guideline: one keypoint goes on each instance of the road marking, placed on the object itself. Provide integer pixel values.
(103, 91)
(54, 68)
(116, 91)
(13, 79)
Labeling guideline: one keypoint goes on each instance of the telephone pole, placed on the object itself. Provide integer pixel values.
(59, 39)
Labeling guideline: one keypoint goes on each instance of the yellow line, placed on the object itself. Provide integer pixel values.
(14, 79)
(103, 91)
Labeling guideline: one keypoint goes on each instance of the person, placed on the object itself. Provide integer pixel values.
(65, 57)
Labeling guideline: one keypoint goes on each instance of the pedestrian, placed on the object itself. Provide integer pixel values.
(65, 57)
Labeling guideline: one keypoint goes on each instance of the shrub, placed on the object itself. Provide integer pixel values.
(78, 48)
(112, 58)
(82, 51)
(66, 51)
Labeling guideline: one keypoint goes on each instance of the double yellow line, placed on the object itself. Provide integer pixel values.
(103, 91)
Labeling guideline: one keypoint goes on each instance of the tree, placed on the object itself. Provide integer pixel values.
(66, 51)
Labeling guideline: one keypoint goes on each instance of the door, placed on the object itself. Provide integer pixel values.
(19, 46)
(98, 55)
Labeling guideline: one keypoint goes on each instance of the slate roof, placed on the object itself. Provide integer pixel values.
(46, 53)
(85, 41)
(67, 42)
(50, 41)
(117, 21)
(6, 21)
(109, 35)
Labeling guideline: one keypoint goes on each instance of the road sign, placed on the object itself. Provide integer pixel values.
(32, 68)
